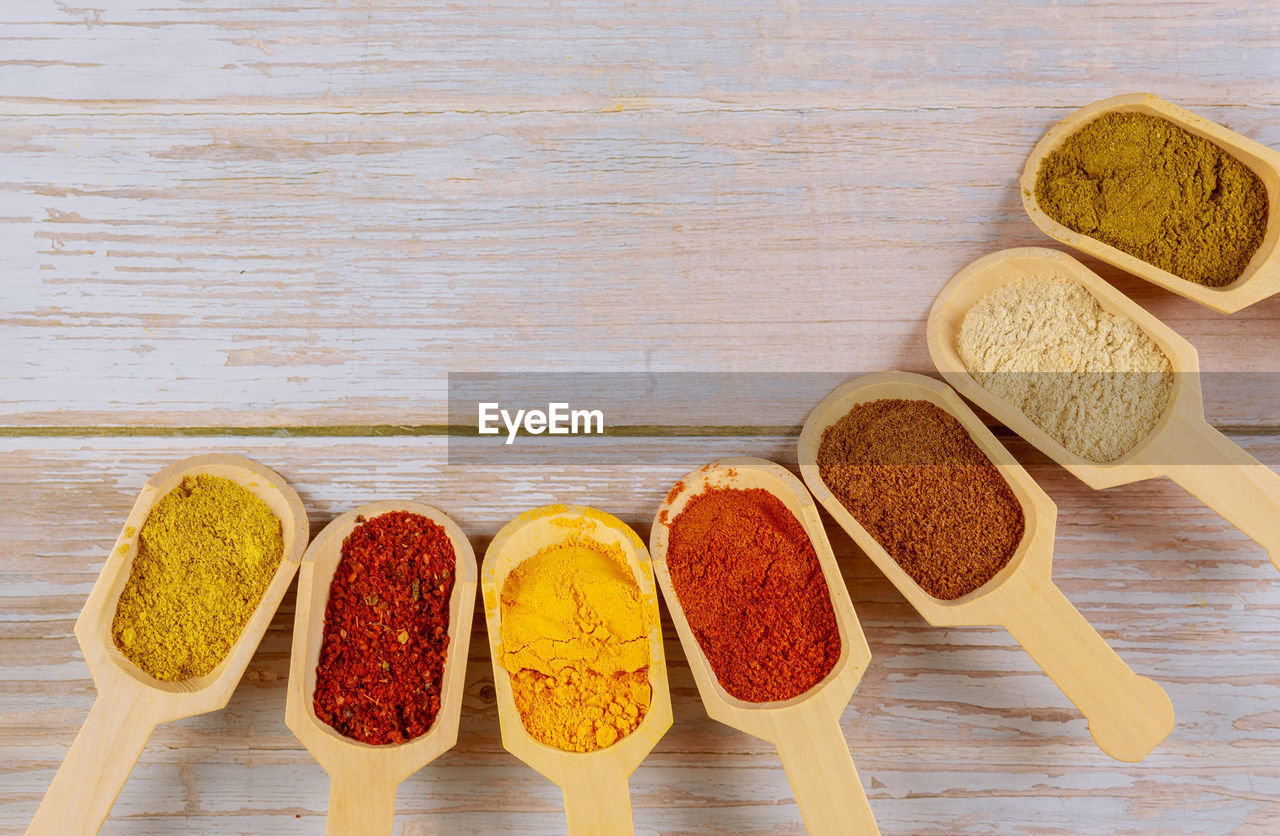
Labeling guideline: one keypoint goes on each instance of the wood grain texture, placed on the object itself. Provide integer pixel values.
(302, 269)
(918, 54)
(954, 730)
(338, 258)
(285, 222)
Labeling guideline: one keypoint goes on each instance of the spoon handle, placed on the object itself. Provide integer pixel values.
(1241, 489)
(597, 801)
(1128, 714)
(97, 766)
(823, 778)
(360, 802)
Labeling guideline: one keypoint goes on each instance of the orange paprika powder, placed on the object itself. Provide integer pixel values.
(752, 589)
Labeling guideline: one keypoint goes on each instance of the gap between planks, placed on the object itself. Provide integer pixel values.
(42, 107)
(419, 430)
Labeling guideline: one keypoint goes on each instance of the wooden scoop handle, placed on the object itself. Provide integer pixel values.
(597, 801)
(1236, 485)
(360, 803)
(1128, 714)
(824, 779)
(95, 769)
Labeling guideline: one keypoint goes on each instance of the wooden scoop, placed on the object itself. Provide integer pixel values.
(130, 702)
(1128, 714)
(1261, 276)
(596, 798)
(1182, 445)
(363, 778)
(805, 729)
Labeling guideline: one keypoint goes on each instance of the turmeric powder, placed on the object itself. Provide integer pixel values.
(575, 641)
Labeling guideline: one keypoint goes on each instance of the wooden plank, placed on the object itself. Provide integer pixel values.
(330, 269)
(954, 730)
(923, 54)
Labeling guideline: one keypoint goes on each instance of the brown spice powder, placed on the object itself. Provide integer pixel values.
(910, 474)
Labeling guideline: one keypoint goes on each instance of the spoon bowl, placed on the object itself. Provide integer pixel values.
(364, 777)
(131, 702)
(1128, 714)
(806, 728)
(1182, 445)
(596, 796)
(1261, 276)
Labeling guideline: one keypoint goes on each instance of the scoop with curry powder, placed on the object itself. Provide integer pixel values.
(206, 555)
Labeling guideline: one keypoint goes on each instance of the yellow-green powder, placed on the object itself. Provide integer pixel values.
(206, 555)
(1157, 192)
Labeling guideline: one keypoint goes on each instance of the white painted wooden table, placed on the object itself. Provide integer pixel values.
(273, 228)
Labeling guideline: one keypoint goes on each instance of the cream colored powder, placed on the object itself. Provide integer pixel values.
(1091, 379)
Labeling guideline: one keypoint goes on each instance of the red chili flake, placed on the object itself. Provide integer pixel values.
(386, 630)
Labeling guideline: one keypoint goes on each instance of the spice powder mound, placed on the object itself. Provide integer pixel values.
(1157, 192)
(909, 473)
(1091, 379)
(575, 640)
(206, 555)
(386, 630)
(752, 589)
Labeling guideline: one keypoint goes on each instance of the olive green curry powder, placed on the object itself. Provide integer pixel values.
(206, 555)
(1151, 189)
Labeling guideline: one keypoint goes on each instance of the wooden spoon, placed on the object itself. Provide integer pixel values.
(806, 728)
(1128, 714)
(363, 778)
(1261, 276)
(596, 798)
(1182, 446)
(130, 702)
